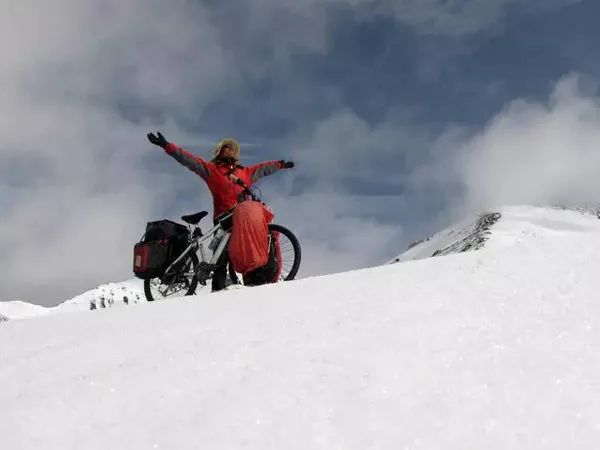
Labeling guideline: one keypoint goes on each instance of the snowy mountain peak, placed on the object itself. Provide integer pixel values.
(502, 227)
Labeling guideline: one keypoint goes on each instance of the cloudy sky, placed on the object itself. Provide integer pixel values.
(401, 115)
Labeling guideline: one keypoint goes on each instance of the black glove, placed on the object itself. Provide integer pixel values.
(287, 164)
(157, 139)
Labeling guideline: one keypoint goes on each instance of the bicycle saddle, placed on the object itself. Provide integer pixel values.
(193, 219)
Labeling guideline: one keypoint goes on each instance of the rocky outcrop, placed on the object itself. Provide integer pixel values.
(476, 239)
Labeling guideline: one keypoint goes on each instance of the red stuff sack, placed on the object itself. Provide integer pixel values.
(249, 243)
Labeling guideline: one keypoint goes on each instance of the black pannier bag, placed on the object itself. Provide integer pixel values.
(162, 243)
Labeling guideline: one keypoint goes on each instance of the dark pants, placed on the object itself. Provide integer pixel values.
(220, 273)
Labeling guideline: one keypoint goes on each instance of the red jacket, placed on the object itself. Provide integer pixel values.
(224, 191)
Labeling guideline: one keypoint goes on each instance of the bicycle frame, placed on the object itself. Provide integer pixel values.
(198, 244)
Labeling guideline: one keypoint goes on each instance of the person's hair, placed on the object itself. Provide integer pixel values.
(235, 146)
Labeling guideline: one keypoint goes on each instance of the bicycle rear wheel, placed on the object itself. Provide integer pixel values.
(183, 282)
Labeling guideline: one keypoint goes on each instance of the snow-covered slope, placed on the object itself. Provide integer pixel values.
(18, 310)
(495, 349)
(107, 295)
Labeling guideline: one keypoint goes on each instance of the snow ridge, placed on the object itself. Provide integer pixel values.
(105, 296)
(476, 239)
(465, 236)
(582, 210)
(473, 234)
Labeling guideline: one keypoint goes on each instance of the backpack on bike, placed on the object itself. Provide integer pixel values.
(161, 244)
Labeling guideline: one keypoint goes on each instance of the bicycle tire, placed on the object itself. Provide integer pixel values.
(288, 272)
(192, 280)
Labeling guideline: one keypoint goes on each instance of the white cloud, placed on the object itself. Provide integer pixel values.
(346, 146)
(538, 153)
(452, 17)
(529, 153)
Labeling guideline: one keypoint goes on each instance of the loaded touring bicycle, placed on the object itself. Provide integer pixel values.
(173, 259)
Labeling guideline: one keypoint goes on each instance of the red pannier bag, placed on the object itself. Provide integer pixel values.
(249, 243)
(150, 258)
(163, 241)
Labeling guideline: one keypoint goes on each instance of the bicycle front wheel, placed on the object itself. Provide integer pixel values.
(289, 251)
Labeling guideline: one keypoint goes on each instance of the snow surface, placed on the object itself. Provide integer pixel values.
(18, 309)
(490, 349)
(104, 296)
(108, 295)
